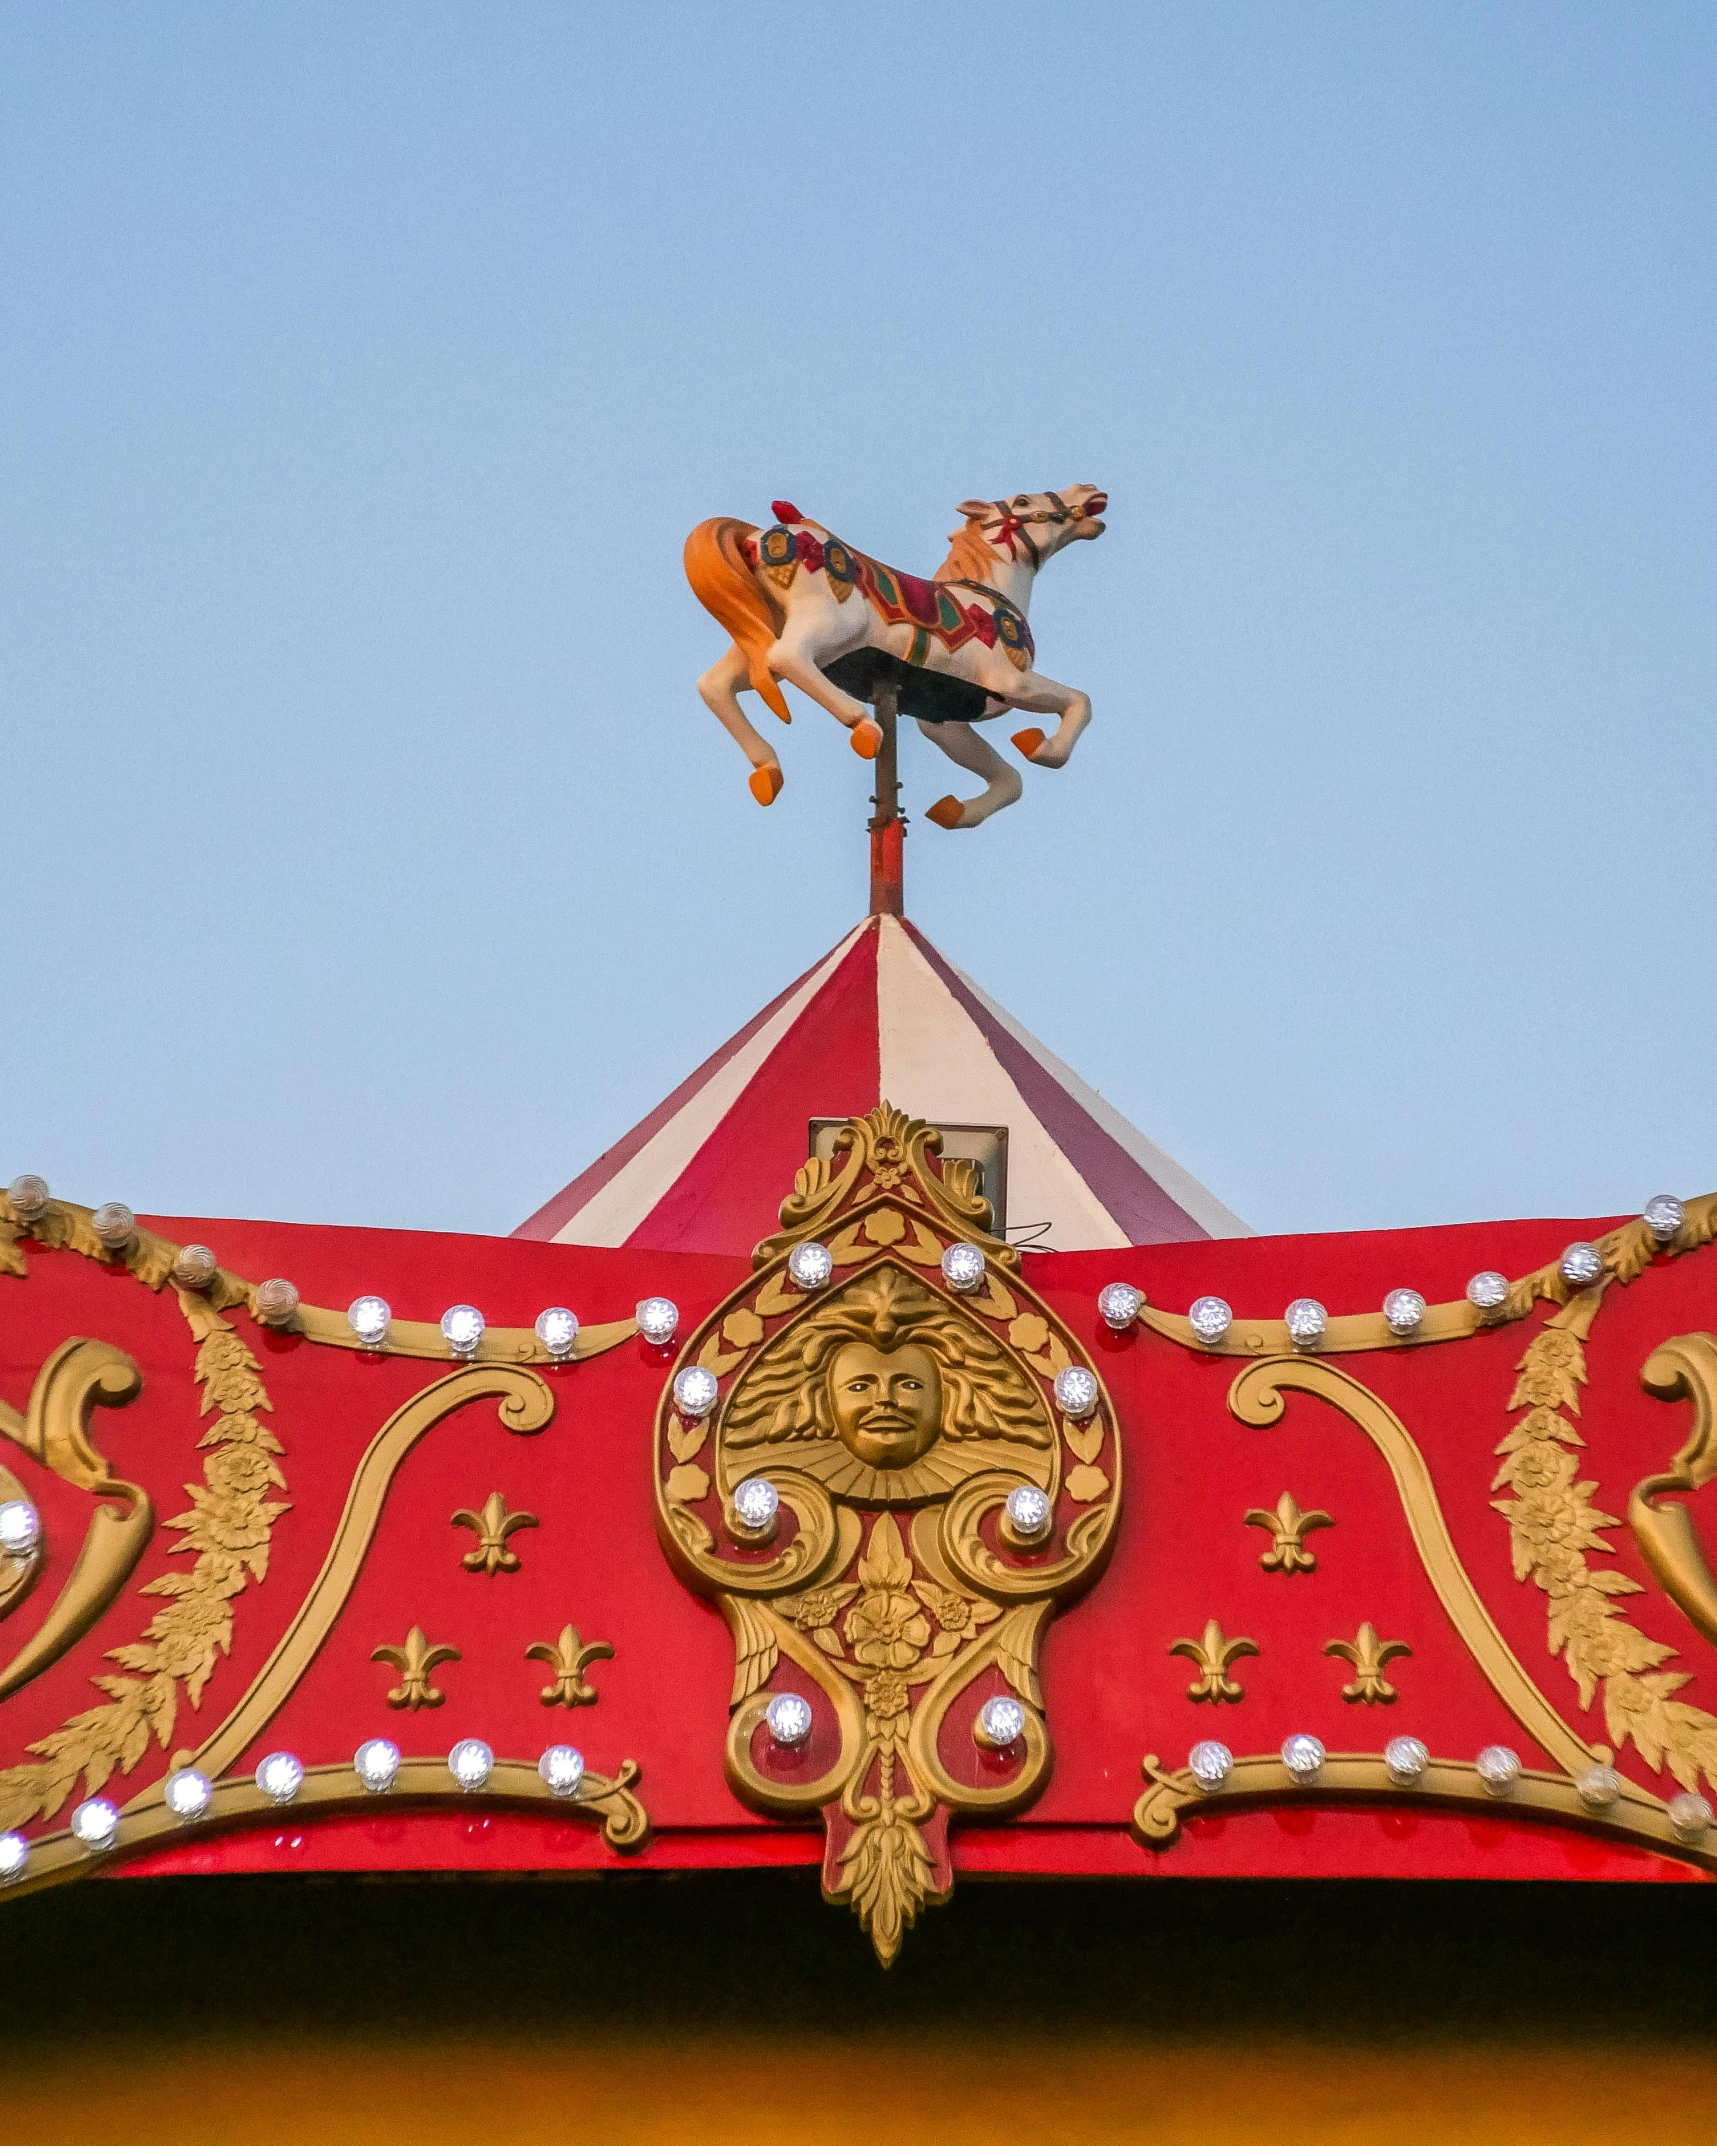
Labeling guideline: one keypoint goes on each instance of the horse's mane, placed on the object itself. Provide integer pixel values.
(969, 557)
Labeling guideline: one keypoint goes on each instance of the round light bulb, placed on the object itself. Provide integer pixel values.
(1498, 1768)
(1600, 1787)
(789, 1719)
(114, 1223)
(1663, 1216)
(14, 1856)
(1076, 1391)
(1000, 1723)
(1210, 1318)
(810, 1265)
(188, 1794)
(1303, 1756)
(276, 1302)
(1119, 1304)
(557, 1330)
(658, 1320)
(280, 1777)
(963, 1267)
(462, 1329)
(1210, 1765)
(1406, 1758)
(1690, 1815)
(369, 1318)
(29, 1196)
(1306, 1321)
(471, 1762)
(20, 1529)
(1403, 1310)
(561, 1768)
(194, 1266)
(376, 1764)
(1028, 1512)
(695, 1391)
(96, 1824)
(1488, 1292)
(1582, 1265)
(756, 1502)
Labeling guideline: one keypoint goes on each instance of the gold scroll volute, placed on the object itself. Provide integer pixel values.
(893, 1415)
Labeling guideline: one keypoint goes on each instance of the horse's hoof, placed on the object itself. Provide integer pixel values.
(766, 784)
(867, 739)
(946, 812)
(1027, 742)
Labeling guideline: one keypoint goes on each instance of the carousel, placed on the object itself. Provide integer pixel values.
(876, 1529)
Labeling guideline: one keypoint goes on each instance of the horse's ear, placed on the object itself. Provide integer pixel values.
(973, 509)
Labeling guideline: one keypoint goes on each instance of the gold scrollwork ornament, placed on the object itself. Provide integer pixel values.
(893, 1416)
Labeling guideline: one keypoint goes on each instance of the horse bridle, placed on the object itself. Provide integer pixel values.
(1013, 525)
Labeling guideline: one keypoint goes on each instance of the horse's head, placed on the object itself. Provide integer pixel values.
(1032, 525)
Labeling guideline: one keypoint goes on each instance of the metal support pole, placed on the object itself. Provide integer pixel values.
(887, 829)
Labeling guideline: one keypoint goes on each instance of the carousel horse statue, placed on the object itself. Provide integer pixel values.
(957, 649)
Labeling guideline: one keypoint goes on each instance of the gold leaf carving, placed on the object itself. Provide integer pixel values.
(1084, 1440)
(1084, 1485)
(685, 1440)
(742, 1329)
(688, 1486)
(885, 1227)
(1029, 1332)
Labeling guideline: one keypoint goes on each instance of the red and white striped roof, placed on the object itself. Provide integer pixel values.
(884, 1017)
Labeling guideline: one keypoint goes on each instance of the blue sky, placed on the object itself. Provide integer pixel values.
(369, 855)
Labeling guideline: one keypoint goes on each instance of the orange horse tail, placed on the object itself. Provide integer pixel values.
(723, 582)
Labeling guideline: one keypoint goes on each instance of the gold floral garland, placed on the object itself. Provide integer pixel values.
(228, 1527)
(1554, 1526)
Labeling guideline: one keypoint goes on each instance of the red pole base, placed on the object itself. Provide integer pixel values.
(888, 869)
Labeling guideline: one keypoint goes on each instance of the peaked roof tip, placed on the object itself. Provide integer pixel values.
(883, 1016)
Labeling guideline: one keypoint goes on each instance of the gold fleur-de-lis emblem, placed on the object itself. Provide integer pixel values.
(569, 1658)
(414, 1661)
(1288, 1525)
(1214, 1655)
(492, 1526)
(1368, 1654)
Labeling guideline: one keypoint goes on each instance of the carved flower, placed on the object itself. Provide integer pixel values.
(886, 1631)
(951, 1611)
(818, 1608)
(885, 1694)
(1538, 1466)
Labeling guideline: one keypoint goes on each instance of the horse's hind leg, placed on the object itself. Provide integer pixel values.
(1002, 784)
(792, 659)
(1042, 696)
(720, 686)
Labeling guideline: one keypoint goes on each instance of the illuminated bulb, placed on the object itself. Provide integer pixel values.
(1303, 1756)
(29, 1195)
(194, 1266)
(562, 1768)
(471, 1762)
(14, 1856)
(789, 1719)
(1306, 1322)
(1028, 1512)
(658, 1318)
(1403, 1309)
(114, 1223)
(1000, 1723)
(376, 1764)
(1210, 1318)
(1582, 1265)
(1406, 1758)
(1120, 1304)
(1600, 1787)
(20, 1529)
(280, 1777)
(756, 1502)
(369, 1318)
(1488, 1292)
(96, 1823)
(462, 1329)
(276, 1302)
(1690, 1815)
(695, 1391)
(810, 1265)
(1075, 1391)
(1663, 1216)
(557, 1330)
(963, 1267)
(188, 1793)
(1210, 1765)
(1498, 1768)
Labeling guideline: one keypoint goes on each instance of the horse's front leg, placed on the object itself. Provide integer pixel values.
(797, 657)
(1002, 784)
(1038, 695)
(720, 686)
